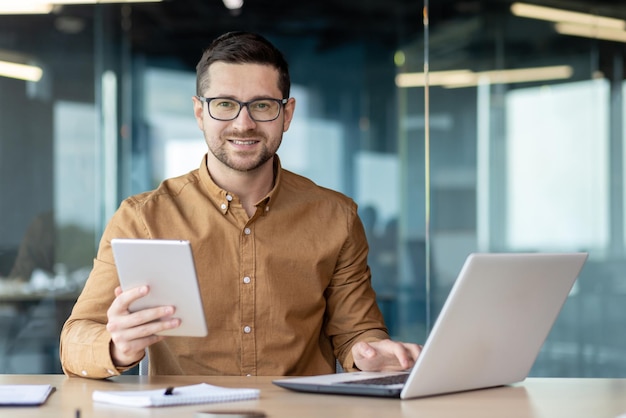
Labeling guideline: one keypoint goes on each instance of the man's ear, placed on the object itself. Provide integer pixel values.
(288, 110)
(198, 111)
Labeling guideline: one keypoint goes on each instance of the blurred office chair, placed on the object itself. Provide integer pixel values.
(144, 364)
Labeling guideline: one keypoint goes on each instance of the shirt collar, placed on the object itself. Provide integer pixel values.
(222, 198)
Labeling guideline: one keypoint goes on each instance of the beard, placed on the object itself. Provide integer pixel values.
(243, 161)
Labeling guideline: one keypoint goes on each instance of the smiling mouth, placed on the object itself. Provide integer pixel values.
(241, 142)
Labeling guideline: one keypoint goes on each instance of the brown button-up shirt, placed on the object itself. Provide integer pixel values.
(285, 292)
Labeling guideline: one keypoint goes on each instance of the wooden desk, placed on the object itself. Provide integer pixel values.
(547, 398)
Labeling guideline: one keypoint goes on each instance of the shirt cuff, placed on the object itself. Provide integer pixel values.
(96, 361)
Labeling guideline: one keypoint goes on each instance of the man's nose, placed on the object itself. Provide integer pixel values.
(244, 120)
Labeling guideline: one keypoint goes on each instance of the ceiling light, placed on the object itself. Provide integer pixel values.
(560, 15)
(68, 2)
(468, 78)
(233, 4)
(20, 71)
(591, 32)
(25, 7)
(435, 78)
(118, 1)
(22, 7)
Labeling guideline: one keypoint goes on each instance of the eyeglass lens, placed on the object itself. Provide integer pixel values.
(260, 110)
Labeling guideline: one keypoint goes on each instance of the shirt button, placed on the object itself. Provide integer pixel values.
(246, 280)
(247, 329)
(229, 198)
(248, 375)
(84, 372)
(111, 372)
(246, 231)
(223, 206)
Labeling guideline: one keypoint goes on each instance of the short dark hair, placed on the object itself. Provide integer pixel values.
(242, 48)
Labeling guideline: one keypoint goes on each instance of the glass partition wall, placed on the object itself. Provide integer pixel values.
(481, 128)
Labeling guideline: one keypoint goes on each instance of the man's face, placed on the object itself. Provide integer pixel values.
(243, 144)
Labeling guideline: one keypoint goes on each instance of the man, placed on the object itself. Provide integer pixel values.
(281, 262)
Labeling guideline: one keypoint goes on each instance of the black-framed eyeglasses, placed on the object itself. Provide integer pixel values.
(260, 110)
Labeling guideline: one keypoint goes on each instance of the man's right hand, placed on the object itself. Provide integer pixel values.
(130, 332)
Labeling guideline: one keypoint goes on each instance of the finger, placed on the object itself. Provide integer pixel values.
(415, 350)
(124, 336)
(122, 301)
(363, 350)
(160, 317)
(404, 355)
(394, 355)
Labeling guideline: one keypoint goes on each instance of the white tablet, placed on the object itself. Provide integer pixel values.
(167, 267)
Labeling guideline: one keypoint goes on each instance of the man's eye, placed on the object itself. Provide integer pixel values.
(261, 105)
(224, 104)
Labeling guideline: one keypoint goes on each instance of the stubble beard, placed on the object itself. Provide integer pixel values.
(244, 163)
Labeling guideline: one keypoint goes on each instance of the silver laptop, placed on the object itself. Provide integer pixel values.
(489, 332)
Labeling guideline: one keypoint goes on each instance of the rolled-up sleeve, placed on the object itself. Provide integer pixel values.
(352, 309)
(85, 342)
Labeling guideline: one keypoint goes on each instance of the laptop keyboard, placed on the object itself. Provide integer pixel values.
(392, 379)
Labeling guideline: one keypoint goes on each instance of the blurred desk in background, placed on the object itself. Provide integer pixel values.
(30, 324)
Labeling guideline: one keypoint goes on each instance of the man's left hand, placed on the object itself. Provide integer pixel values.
(385, 355)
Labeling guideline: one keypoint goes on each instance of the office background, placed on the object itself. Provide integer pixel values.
(515, 144)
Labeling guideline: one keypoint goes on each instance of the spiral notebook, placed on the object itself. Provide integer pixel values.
(181, 395)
